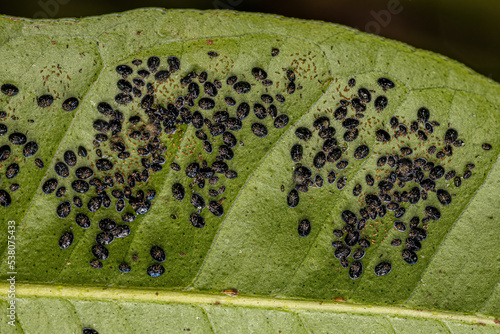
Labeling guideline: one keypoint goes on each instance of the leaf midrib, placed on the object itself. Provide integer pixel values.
(168, 296)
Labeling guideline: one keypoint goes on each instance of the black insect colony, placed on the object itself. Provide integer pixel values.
(379, 195)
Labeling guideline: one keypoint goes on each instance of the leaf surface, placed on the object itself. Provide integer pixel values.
(254, 247)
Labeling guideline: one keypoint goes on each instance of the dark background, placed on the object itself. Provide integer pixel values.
(465, 30)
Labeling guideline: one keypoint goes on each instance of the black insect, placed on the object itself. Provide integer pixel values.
(400, 226)
(331, 177)
(12, 171)
(45, 101)
(66, 240)
(100, 252)
(241, 87)
(340, 113)
(153, 63)
(157, 253)
(304, 228)
(386, 83)
(94, 204)
(281, 121)
(275, 52)
(197, 201)
(409, 256)
(96, 264)
(350, 123)
(436, 172)
(104, 165)
(383, 268)
(174, 64)
(467, 174)
(155, 270)
(293, 198)
(341, 183)
(206, 103)
(197, 220)
(63, 209)
(382, 136)
(9, 89)
(259, 130)
(124, 268)
(396, 242)
(486, 146)
(355, 270)
(5, 199)
(361, 152)
(17, 138)
(433, 213)
(49, 186)
(443, 197)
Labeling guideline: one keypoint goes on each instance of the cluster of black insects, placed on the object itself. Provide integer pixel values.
(403, 171)
(147, 129)
(17, 138)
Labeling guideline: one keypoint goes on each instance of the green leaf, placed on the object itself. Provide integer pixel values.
(254, 247)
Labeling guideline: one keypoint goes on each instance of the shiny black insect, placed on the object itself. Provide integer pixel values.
(241, 87)
(355, 270)
(104, 238)
(304, 228)
(100, 252)
(157, 253)
(331, 177)
(155, 270)
(382, 136)
(49, 186)
(319, 160)
(9, 89)
(303, 133)
(381, 103)
(30, 149)
(259, 130)
(383, 268)
(96, 264)
(281, 121)
(341, 183)
(83, 220)
(409, 256)
(486, 146)
(396, 242)
(400, 226)
(385, 83)
(197, 201)
(66, 240)
(70, 158)
(216, 208)
(124, 268)
(63, 209)
(45, 101)
(351, 135)
(318, 181)
(17, 138)
(197, 220)
(342, 164)
(12, 171)
(60, 192)
(153, 63)
(358, 254)
(94, 204)
(433, 213)
(104, 165)
(443, 197)
(293, 198)
(361, 152)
